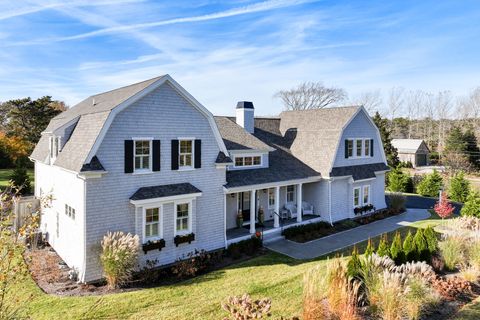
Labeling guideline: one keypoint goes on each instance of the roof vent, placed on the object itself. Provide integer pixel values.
(245, 115)
(93, 102)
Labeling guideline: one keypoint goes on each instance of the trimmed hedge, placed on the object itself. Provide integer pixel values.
(245, 247)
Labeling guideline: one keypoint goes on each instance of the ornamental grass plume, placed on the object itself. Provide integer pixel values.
(119, 257)
(245, 308)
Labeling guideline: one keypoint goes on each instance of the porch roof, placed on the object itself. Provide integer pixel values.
(166, 190)
(360, 172)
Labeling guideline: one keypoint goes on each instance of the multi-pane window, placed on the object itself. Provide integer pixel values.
(69, 211)
(183, 215)
(350, 148)
(54, 146)
(185, 154)
(248, 161)
(356, 197)
(291, 193)
(271, 198)
(142, 155)
(152, 223)
(366, 195)
(358, 148)
(366, 149)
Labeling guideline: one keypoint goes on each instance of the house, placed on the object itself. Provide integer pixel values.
(149, 159)
(412, 150)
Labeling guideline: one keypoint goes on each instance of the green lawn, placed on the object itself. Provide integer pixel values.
(6, 173)
(271, 275)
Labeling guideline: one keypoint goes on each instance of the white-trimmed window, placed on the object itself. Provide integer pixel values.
(366, 195)
(54, 146)
(142, 155)
(183, 221)
(185, 155)
(356, 197)
(366, 149)
(291, 193)
(152, 224)
(248, 161)
(350, 148)
(271, 198)
(69, 211)
(358, 147)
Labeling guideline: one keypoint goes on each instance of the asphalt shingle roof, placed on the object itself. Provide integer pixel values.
(236, 138)
(360, 172)
(407, 145)
(166, 190)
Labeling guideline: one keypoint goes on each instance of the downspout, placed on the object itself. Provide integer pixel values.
(330, 200)
(225, 218)
(84, 263)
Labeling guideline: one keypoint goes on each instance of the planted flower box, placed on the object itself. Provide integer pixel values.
(184, 239)
(363, 209)
(153, 245)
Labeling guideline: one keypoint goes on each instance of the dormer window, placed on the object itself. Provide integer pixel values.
(358, 148)
(248, 161)
(54, 146)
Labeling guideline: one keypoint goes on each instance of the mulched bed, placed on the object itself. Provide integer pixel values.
(50, 273)
(313, 231)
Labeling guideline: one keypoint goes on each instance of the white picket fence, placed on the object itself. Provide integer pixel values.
(24, 207)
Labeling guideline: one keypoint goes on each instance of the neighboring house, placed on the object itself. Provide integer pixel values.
(412, 150)
(149, 159)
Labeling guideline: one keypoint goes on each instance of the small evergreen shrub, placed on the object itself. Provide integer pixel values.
(383, 250)
(398, 181)
(248, 247)
(409, 247)
(421, 246)
(430, 185)
(194, 263)
(370, 249)
(471, 207)
(354, 265)
(20, 177)
(431, 238)
(396, 250)
(119, 257)
(459, 188)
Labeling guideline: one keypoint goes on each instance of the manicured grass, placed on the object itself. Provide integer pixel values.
(272, 275)
(6, 173)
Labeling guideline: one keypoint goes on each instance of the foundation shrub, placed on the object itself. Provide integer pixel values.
(194, 263)
(245, 247)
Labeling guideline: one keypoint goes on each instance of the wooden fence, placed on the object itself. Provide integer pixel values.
(24, 207)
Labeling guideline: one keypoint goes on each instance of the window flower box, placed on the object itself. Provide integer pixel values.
(363, 209)
(184, 239)
(152, 245)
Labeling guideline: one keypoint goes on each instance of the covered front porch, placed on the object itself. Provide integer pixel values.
(269, 207)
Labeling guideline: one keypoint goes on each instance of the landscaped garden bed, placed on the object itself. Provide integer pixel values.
(312, 231)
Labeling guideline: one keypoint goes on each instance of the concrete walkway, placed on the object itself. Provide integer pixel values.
(334, 242)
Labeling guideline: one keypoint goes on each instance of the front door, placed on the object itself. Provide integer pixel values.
(244, 205)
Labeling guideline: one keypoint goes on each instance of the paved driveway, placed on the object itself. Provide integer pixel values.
(419, 202)
(325, 245)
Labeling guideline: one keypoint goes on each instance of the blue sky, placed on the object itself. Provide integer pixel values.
(226, 51)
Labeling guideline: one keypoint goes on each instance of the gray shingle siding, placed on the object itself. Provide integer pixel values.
(161, 115)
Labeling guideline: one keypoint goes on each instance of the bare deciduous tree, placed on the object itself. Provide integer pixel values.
(371, 100)
(310, 95)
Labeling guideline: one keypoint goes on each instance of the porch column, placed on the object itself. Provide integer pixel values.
(253, 201)
(276, 218)
(299, 202)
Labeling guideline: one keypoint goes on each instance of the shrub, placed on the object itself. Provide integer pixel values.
(444, 208)
(430, 185)
(418, 295)
(308, 232)
(194, 263)
(246, 308)
(451, 250)
(409, 247)
(421, 246)
(248, 247)
(370, 249)
(431, 238)
(119, 257)
(382, 249)
(396, 250)
(20, 177)
(464, 223)
(330, 294)
(471, 207)
(354, 265)
(398, 181)
(397, 201)
(459, 188)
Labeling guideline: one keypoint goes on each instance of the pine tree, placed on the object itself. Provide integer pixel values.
(397, 181)
(472, 206)
(354, 265)
(430, 185)
(370, 249)
(409, 247)
(390, 151)
(459, 188)
(383, 250)
(396, 250)
(421, 247)
(20, 177)
(432, 240)
(472, 149)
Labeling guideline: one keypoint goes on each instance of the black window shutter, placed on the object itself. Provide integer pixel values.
(346, 149)
(198, 154)
(175, 154)
(371, 147)
(128, 156)
(156, 155)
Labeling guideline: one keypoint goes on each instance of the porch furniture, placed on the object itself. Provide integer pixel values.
(292, 210)
(284, 213)
(307, 208)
